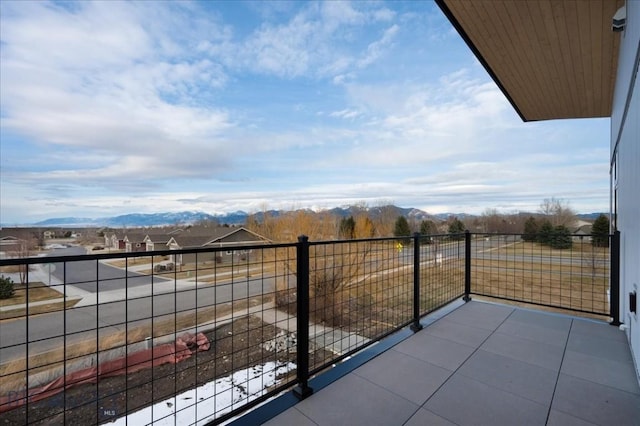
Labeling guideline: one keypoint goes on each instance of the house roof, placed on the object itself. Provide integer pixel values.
(583, 230)
(258, 238)
(134, 237)
(551, 58)
(210, 236)
(157, 237)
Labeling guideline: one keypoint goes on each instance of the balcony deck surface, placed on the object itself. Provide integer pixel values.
(487, 364)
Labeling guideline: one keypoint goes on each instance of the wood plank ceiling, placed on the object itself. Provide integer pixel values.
(551, 58)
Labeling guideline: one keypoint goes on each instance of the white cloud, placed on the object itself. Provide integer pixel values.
(376, 48)
(118, 106)
(96, 76)
(320, 40)
(345, 113)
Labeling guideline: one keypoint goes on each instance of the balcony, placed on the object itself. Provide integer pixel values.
(363, 331)
(485, 364)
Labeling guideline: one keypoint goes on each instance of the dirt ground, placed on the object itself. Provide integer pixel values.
(234, 346)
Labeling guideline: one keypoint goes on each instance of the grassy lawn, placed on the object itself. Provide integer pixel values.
(576, 286)
(36, 292)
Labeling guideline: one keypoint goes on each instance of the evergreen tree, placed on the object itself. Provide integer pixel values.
(427, 227)
(530, 229)
(347, 228)
(545, 233)
(561, 238)
(600, 232)
(401, 228)
(456, 229)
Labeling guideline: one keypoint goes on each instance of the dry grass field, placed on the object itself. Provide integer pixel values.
(576, 278)
(376, 295)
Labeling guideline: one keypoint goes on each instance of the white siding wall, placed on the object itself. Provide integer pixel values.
(626, 133)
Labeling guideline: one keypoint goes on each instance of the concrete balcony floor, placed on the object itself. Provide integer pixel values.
(486, 364)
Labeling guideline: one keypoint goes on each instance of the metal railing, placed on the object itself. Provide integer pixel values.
(198, 336)
(575, 278)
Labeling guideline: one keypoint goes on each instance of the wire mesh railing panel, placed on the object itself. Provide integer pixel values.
(442, 263)
(572, 274)
(184, 336)
(358, 291)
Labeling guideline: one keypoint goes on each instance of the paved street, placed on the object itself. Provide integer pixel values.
(94, 276)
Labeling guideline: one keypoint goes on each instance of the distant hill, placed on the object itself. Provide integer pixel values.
(235, 218)
(590, 216)
(378, 211)
(68, 221)
(146, 220)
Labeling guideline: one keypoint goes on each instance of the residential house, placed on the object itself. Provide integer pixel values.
(18, 242)
(134, 242)
(215, 237)
(582, 233)
(9, 244)
(156, 241)
(114, 240)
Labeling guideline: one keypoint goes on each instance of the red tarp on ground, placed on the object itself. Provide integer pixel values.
(172, 353)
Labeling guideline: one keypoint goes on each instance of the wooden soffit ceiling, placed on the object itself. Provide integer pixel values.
(551, 58)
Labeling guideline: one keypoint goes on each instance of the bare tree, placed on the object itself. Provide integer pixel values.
(386, 220)
(558, 212)
(364, 226)
(26, 242)
(492, 221)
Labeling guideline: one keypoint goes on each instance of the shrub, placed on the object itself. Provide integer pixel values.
(6, 287)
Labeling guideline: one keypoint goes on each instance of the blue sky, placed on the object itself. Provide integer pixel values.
(116, 107)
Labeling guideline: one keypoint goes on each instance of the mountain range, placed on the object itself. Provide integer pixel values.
(234, 218)
(240, 217)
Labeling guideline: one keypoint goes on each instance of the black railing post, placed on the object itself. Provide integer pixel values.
(467, 266)
(302, 390)
(614, 280)
(416, 326)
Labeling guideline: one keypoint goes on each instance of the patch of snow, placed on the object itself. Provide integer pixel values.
(54, 246)
(202, 405)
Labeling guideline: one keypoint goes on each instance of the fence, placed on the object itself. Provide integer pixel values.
(575, 278)
(140, 338)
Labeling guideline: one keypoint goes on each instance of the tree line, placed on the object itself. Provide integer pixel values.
(552, 225)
